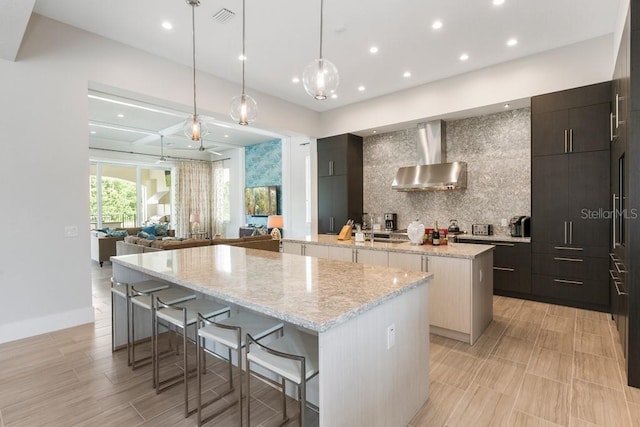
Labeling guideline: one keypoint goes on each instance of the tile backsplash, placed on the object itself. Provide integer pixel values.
(497, 149)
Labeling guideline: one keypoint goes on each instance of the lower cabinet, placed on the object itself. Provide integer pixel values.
(371, 257)
(318, 251)
(511, 266)
(340, 254)
(404, 261)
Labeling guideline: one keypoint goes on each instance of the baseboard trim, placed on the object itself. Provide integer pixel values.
(42, 325)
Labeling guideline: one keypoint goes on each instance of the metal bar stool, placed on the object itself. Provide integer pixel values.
(293, 357)
(181, 316)
(142, 299)
(231, 333)
(124, 290)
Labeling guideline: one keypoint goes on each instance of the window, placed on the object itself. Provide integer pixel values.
(222, 204)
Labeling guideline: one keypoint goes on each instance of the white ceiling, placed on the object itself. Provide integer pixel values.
(282, 37)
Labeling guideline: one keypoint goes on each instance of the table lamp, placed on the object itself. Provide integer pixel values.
(275, 222)
(194, 219)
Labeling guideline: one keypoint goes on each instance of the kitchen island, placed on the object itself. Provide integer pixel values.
(371, 322)
(460, 294)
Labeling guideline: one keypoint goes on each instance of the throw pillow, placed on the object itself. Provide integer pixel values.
(117, 233)
(161, 230)
(150, 229)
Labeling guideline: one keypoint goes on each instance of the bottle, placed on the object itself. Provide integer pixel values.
(435, 239)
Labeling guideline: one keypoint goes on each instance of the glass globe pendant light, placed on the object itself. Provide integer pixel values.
(194, 128)
(244, 108)
(320, 78)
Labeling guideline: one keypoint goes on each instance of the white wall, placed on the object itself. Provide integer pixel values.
(294, 152)
(45, 279)
(236, 189)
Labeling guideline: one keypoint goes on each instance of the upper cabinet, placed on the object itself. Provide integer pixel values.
(571, 121)
(339, 182)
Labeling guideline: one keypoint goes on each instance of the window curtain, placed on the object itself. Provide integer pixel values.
(193, 190)
(218, 199)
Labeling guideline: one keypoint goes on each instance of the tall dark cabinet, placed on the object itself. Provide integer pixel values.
(570, 176)
(339, 182)
(625, 194)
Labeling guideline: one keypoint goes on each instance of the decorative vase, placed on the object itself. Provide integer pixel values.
(415, 231)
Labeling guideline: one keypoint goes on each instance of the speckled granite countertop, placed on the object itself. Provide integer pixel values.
(455, 250)
(496, 238)
(314, 293)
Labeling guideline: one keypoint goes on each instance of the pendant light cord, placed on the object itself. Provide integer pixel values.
(321, 24)
(244, 57)
(193, 36)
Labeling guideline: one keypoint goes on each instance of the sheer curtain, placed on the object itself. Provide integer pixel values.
(219, 198)
(193, 191)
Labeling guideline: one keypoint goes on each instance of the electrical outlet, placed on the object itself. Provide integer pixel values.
(391, 336)
(503, 222)
(70, 231)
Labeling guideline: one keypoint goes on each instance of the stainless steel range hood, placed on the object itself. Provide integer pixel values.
(432, 172)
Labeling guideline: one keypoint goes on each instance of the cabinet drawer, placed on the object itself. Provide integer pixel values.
(570, 266)
(559, 249)
(591, 291)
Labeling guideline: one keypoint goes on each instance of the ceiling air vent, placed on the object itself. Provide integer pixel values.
(223, 15)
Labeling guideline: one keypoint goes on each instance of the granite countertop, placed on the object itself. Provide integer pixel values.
(317, 294)
(496, 238)
(455, 250)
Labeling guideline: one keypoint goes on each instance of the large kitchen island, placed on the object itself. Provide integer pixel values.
(371, 321)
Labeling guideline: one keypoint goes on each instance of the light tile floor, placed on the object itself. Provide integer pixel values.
(536, 365)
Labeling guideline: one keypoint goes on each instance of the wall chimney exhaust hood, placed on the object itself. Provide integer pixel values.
(432, 172)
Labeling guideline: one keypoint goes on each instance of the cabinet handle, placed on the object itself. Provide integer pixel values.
(302, 250)
(620, 270)
(614, 243)
(330, 223)
(613, 276)
(617, 285)
(354, 255)
(617, 111)
(331, 168)
(612, 136)
(569, 282)
(425, 261)
(504, 269)
(565, 248)
(571, 232)
(500, 244)
(565, 232)
(571, 140)
(565, 140)
(567, 259)
(614, 257)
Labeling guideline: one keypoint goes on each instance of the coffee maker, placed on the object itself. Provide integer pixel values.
(390, 222)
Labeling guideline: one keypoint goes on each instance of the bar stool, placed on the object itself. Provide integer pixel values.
(293, 357)
(231, 333)
(181, 316)
(124, 290)
(145, 300)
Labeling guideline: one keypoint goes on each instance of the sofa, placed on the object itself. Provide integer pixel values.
(137, 245)
(104, 246)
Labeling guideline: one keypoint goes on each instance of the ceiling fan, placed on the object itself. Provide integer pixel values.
(200, 148)
(162, 158)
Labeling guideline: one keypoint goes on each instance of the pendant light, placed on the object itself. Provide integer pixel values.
(194, 128)
(244, 108)
(320, 77)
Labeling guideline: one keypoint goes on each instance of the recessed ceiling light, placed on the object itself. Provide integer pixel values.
(167, 25)
(406, 74)
(506, 105)
(226, 136)
(512, 42)
(120, 115)
(373, 49)
(93, 132)
(375, 131)
(242, 57)
(436, 25)
(334, 96)
(464, 57)
(295, 80)
(498, 2)
(361, 88)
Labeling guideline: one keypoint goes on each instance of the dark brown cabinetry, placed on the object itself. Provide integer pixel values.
(511, 266)
(339, 182)
(570, 202)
